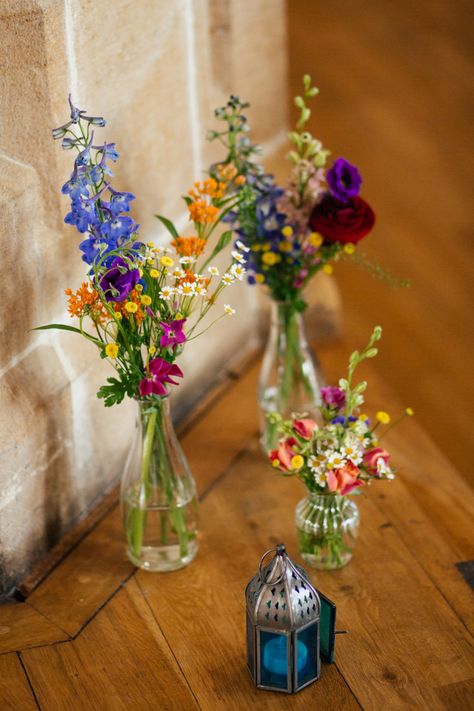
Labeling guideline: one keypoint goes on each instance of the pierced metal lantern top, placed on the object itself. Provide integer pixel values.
(280, 595)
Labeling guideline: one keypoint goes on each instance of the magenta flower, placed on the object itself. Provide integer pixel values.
(160, 372)
(333, 397)
(173, 333)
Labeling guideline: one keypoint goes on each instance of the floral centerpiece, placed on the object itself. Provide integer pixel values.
(291, 233)
(334, 461)
(139, 305)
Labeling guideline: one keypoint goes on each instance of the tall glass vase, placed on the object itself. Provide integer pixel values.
(290, 379)
(158, 494)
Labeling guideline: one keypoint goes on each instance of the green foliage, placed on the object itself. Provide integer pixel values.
(354, 396)
(114, 393)
(169, 226)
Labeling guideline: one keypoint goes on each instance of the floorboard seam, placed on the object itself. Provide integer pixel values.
(246, 449)
(33, 692)
(169, 645)
(351, 691)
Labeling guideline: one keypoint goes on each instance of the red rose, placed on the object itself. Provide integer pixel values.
(342, 222)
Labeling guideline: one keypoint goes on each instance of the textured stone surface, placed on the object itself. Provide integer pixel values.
(155, 70)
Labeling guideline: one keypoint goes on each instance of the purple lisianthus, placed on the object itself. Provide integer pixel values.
(173, 334)
(119, 280)
(333, 397)
(160, 372)
(344, 180)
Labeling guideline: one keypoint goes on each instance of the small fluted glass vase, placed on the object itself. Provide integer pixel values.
(327, 526)
(158, 494)
(290, 378)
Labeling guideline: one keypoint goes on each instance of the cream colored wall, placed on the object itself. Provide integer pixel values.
(155, 69)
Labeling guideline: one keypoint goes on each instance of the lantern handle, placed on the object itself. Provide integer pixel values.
(279, 550)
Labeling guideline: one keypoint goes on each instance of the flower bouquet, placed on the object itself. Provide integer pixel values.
(291, 233)
(139, 304)
(333, 461)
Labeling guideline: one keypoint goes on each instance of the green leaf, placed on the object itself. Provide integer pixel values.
(61, 327)
(169, 225)
(187, 199)
(371, 353)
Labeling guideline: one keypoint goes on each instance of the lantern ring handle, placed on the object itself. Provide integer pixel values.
(277, 549)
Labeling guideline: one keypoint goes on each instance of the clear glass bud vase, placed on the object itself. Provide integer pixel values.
(290, 380)
(327, 526)
(158, 494)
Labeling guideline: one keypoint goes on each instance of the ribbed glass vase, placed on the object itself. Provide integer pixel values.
(290, 378)
(327, 527)
(158, 494)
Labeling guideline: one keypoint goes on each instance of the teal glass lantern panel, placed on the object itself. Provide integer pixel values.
(307, 655)
(328, 628)
(274, 659)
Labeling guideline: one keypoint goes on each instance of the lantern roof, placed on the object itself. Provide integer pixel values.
(280, 595)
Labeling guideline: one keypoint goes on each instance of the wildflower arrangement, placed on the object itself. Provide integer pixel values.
(140, 303)
(335, 459)
(296, 230)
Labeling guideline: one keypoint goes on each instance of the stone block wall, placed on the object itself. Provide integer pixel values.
(155, 69)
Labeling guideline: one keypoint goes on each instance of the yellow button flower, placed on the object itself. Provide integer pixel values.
(349, 248)
(112, 350)
(152, 350)
(118, 315)
(166, 261)
(383, 417)
(287, 231)
(154, 273)
(409, 411)
(275, 463)
(297, 461)
(138, 287)
(131, 307)
(270, 258)
(259, 278)
(315, 239)
(285, 246)
(146, 300)
(328, 269)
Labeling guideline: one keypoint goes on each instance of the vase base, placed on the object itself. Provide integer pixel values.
(325, 562)
(163, 559)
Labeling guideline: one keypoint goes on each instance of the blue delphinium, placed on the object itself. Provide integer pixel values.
(96, 208)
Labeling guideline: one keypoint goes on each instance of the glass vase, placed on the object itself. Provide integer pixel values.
(327, 526)
(290, 379)
(158, 494)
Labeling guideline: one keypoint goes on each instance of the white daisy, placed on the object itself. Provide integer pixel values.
(227, 279)
(238, 256)
(229, 310)
(213, 270)
(336, 460)
(242, 246)
(186, 260)
(167, 292)
(237, 271)
(187, 289)
(178, 273)
(201, 290)
(320, 477)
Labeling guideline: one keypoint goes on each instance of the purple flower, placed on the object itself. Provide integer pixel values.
(333, 397)
(344, 180)
(173, 333)
(159, 373)
(119, 280)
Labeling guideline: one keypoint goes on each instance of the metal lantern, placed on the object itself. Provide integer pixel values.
(283, 611)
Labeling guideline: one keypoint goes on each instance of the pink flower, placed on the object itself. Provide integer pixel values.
(160, 372)
(173, 334)
(284, 454)
(344, 480)
(304, 428)
(372, 457)
(333, 397)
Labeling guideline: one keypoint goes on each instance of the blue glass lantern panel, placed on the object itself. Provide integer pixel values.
(328, 628)
(307, 653)
(274, 659)
(250, 646)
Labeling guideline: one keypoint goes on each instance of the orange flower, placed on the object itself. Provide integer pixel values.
(190, 277)
(86, 301)
(189, 246)
(226, 172)
(202, 212)
(209, 187)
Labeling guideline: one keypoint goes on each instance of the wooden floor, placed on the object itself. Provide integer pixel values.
(97, 634)
(396, 99)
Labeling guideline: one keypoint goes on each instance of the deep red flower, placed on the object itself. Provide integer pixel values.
(160, 372)
(342, 222)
